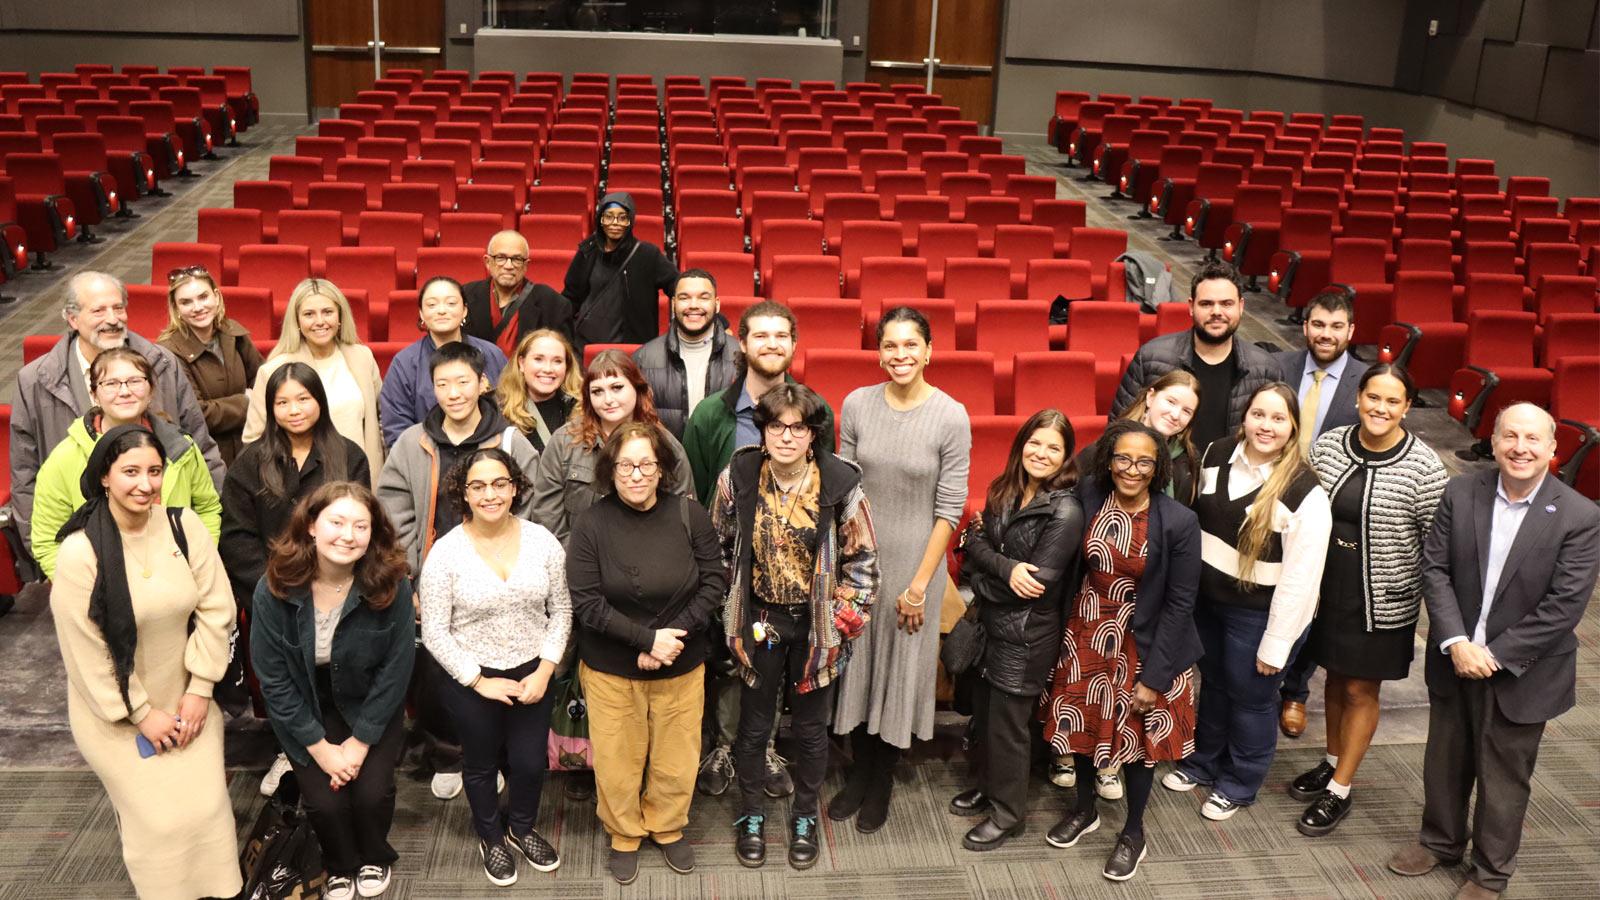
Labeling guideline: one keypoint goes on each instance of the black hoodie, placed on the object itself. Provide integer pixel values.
(627, 313)
(492, 424)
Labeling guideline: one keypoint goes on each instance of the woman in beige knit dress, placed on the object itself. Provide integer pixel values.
(130, 580)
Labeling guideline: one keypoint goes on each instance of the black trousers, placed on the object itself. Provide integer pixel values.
(1004, 750)
(492, 734)
(434, 728)
(352, 823)
(1297, 675)
(1470, 742)
(777, 666)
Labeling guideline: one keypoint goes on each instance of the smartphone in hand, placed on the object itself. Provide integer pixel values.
(146, 749)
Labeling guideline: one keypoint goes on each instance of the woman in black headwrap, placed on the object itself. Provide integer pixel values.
(143, 611)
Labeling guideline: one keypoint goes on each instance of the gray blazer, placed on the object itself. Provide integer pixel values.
(1544, 588)
(1342, 408)
(44, 407)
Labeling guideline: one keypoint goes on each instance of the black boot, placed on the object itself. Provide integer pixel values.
(875, 807)
(857, 774)
(750, 840)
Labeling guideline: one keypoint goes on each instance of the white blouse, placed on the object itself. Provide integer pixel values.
(472, 619)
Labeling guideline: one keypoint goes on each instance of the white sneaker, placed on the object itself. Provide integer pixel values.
(1063, 775)
(1176, 780)
(340, 887)
(1108, 784)
(372, 881)
(1218, 808)
(446, 785)
(274, 777)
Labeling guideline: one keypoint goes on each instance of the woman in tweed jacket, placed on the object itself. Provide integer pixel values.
(1384, 483)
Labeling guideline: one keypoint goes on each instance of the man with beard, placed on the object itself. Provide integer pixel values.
(504, 306)
(53, 390)
(1229, 371)
(694, 357)
(720, 424)
(614, 279)
(1325, 375)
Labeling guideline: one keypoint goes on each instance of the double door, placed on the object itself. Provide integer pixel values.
(353, 42)
(951, 47)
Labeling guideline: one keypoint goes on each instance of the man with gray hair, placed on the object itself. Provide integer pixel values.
(1507, 572)
(505, 306)
(53, 390)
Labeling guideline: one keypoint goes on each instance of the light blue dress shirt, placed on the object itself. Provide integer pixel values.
(1330, 383)
(1504, 523)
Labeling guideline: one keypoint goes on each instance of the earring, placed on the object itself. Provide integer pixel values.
(810, 454)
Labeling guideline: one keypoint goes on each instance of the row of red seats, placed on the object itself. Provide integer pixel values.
(238, 91)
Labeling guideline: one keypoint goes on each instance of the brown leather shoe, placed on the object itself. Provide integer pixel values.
(1415, 859)
(1292, 719)
(1471, 890)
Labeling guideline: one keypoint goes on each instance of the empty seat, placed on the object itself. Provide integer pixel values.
(229, 229)
(314, 229)
(277, 268)
(803, 276)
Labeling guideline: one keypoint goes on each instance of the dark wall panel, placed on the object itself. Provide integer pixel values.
(1510, 77)
(1134, 32)
(1450, 68)
(1571, 100)
(1559, 23)
(190, 17)
(1494, 20)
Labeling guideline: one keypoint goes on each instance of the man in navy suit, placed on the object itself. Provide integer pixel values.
(1507, 572)
(1325, 375)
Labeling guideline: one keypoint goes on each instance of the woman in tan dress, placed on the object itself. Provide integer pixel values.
(132, 578)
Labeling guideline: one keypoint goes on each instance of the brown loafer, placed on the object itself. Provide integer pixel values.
(1415, 859)
(1292, 719)
(1471, 890)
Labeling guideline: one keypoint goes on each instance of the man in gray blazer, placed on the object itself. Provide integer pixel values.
(1325, 375)
(1507, 572)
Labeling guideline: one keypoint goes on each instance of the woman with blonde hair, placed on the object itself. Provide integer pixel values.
(1265, 522)
(540, 388)
(320, 331)
(217, 353)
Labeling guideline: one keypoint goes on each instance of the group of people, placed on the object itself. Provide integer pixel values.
(694, 541)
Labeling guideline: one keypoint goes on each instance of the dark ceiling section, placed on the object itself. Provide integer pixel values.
(1520, 58)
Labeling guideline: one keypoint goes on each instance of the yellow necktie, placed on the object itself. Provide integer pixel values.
(1308, 410)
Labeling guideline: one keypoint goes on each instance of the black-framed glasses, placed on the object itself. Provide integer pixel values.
(1144, 465)
(795, 430)
(187, 272)
(648, 468)
(500, 485)
(502, 259)
(615, 219)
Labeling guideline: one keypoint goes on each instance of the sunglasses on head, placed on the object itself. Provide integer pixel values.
(187, 272)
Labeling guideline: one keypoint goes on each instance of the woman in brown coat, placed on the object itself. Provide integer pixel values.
(216, 352)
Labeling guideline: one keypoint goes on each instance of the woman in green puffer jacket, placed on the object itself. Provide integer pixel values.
(120, 389)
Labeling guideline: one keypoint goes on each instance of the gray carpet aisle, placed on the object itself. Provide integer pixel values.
(59, 832)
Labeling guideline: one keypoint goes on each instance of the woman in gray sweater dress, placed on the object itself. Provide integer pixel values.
(913, 444)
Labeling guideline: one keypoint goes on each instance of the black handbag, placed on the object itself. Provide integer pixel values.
(963, 647)
(282, 859)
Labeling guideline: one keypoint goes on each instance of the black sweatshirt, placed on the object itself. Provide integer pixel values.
(631, 572)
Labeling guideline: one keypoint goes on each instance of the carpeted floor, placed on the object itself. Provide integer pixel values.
(60, 837)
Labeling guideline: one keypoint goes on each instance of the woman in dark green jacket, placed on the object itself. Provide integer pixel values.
(332, 637)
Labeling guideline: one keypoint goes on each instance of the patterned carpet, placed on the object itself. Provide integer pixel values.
(59, 831)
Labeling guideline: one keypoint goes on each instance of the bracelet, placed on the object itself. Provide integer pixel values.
(916, 605)
(475, 679)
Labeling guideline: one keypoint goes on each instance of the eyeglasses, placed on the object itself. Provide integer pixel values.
(615, 219)
(477, 488)
(135, 384)
(648, 468)
(501, 259)
(187, 272)
(795, 430)
(1144, 465)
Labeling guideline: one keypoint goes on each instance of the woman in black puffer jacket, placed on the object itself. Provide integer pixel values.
(1019, 561)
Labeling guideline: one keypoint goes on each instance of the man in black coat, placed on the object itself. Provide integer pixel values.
(1229, 370)
(1507, 572)
(1325, 375)
(505, 306)
(694, 358)
(615, 278)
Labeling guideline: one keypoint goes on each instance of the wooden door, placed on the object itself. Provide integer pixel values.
(342, 32)
(966, 47)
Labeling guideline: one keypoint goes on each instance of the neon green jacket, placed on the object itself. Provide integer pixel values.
(186, 482)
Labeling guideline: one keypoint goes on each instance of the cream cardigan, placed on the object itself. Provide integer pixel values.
(365, 369)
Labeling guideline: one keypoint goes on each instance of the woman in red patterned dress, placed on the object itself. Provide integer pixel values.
(1122, 692)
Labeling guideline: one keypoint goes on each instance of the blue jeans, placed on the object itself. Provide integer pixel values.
(1236, 728)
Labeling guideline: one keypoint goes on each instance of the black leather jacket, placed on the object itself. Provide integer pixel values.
(1024, 636)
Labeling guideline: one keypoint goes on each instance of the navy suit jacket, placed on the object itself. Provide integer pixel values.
(1342, 408)
(1545, 585)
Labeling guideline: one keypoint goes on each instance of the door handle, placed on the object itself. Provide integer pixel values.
(410, 51)
(896, 64)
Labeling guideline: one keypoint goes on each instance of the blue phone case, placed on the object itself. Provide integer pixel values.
(146, 749)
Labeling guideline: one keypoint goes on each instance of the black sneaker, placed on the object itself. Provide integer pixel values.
(750, 841)
(1068, 830)
(1323, 815)
(803, 848)
(716, 772)
(498, 863)
(776, 781)
(1310, 785)
(536, 850)
(624, 865)
(1125, 858)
